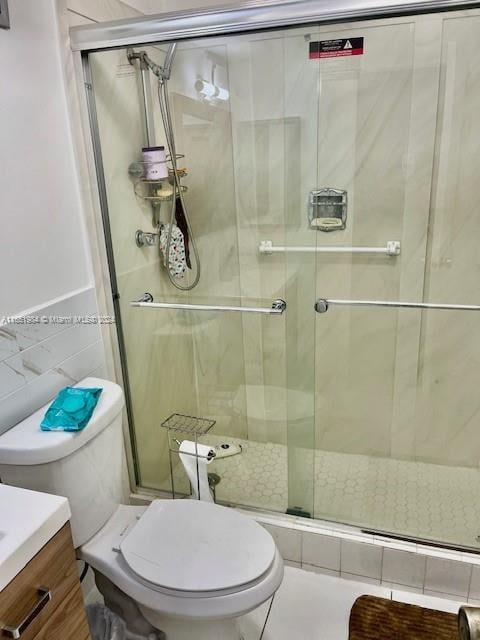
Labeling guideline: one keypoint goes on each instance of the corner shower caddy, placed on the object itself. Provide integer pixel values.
(138, 170)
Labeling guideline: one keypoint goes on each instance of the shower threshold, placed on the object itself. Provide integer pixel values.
(412, 500)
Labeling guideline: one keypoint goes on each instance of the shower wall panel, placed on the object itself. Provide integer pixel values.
(448, 403)
(159, 346)
(374, 139)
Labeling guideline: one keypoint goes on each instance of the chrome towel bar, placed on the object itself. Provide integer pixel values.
(146, 301)
(392, 248)
(322, 305)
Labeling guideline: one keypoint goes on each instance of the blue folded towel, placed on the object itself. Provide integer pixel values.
(71, 410)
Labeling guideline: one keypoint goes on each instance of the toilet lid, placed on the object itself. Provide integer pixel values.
(190, 545)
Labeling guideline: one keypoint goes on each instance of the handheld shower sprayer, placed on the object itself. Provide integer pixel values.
(163, 75)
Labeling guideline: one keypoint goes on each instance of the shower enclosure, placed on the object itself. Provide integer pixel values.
(329, 158)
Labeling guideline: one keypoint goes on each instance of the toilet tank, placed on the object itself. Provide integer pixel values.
(88, 467)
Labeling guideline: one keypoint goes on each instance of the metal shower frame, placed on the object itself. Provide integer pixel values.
(247, 16)
(224, 21)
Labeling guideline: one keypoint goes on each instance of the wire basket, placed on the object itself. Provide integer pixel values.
(191, 425)
(188, 424)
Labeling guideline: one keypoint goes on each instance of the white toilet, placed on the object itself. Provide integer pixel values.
(178, 569)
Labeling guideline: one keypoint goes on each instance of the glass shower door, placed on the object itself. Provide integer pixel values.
(311, 176)
(250, 162)
(377, 114)
(396, 386)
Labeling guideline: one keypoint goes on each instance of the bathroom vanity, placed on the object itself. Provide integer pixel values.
(40, 593)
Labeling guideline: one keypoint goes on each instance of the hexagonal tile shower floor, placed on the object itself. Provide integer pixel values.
(417, 499)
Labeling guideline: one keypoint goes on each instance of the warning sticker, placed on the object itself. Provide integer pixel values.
(342, 47)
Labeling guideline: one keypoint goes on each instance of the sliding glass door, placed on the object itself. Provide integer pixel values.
(331, 163)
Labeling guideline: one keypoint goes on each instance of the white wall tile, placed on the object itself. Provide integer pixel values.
(321, 570)
(447, 596)
(357, 578)
(401, 587)
(403, 567)
(50, 357)
(447, 576)
(26, 400)
(9, 379)
(288, 541)
(440, 602)
(474, 592)
(321, 551)
(8, 343)
(32, 362)
(361, 559)
(16, 337)
(79, 365)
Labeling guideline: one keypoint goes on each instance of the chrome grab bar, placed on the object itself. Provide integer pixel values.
(146, 301)
(392, 248)
(322, 305)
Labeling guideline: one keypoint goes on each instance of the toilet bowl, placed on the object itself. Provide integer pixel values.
(187, 568)
(185, 560)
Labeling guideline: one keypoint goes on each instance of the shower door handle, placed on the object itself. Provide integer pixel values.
(146, 301)
(322, 305)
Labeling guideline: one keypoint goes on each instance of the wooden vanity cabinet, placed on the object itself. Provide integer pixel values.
(44, 601)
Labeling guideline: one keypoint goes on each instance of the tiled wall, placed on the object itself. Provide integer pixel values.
(37, 360)
(405, 566)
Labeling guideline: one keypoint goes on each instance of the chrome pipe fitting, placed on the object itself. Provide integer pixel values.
(469, 623)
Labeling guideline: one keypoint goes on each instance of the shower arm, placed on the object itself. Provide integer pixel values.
(162, 73)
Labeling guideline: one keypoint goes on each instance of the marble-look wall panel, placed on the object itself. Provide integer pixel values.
(117, 99)
(158, 348)
(364, 123)
(162, 381)
(47, 356)
(274, 113)
(419, 168)
(203, 134)
(174, 367)
(448, 407)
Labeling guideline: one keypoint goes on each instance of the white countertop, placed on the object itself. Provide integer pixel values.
(28, 520)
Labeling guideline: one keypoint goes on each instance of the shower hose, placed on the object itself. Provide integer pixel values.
(163, 99)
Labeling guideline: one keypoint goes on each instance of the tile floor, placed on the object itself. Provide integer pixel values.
(312, 606)
(412, 498)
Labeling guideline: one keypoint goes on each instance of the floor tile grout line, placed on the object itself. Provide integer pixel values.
(424, 574)
(470, 581)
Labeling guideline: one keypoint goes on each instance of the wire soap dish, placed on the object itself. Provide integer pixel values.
(188, 424)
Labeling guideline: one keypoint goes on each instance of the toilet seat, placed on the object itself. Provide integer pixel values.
(197, 548)
(102, 553)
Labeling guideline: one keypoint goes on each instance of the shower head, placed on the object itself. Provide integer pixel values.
(162, 73)
(167, 65)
